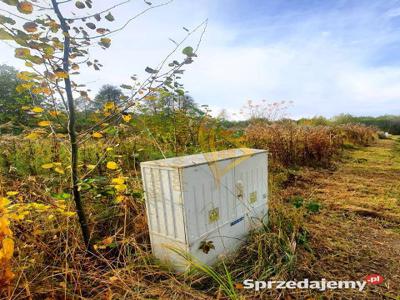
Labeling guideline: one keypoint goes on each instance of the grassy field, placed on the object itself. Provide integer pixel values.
(339, 222)
(357, 231)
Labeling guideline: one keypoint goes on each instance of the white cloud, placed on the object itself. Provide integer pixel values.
(320, 61)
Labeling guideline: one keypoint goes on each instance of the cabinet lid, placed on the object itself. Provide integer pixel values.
(202, 158)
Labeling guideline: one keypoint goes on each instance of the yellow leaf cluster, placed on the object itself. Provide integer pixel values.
(97, 135)
(61, 74)
(44, 123)
(120, 198)
(120, 187)
(7, 250)
(32, 136)
(54, 113)
(112, 165)
(118, 180)
(41, 90)
(59, 170)
(126, 118)
(56, 166)
(109, 106)
(12, 193)
(6, 243)
(48, 166)
(37, 109)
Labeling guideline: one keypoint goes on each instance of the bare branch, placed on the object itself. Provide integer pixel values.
(127, 22)
(99, 13)
(15, 15)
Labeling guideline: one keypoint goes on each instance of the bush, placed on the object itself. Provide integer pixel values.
(290, 144)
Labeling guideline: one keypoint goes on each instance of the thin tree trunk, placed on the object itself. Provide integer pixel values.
(71, 131)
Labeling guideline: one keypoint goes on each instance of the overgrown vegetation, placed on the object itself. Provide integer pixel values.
(293, 145)
(70, 165)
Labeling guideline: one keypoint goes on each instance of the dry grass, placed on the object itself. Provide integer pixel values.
(357, 232)
(290, 144)
(354, 234)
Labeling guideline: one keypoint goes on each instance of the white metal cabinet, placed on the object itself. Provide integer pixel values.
(213, 197)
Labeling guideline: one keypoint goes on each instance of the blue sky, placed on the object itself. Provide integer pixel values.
(328, 56)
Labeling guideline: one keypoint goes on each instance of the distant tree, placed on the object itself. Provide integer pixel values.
(107, 93)
(169, 102)
(314, 121)
(344, 119)
(11, 100)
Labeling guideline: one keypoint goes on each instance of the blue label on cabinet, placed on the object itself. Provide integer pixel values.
(237, 221)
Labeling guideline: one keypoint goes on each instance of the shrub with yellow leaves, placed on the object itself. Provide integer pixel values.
(6, 243)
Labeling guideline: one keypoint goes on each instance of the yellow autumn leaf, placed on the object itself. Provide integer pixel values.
(25, 76)
(109, 149)
(91, 167)
(37, 90)
(126, 118)
(4, 202)
(119, 180)
(54, 113)
(107, 241)
(12, 193)
(109, 105)
(8, 274)
(120, 199)
(8, 248)
(32, 136)
(37, 109)
(59, 170)
(69, 213)
(112, 165)
(5, 226)
(25, 7)
(48, 166)
(120, 187)
(61, 74)
(44, 123)
(97, 135)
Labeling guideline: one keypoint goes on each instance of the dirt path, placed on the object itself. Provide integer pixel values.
(357, 231)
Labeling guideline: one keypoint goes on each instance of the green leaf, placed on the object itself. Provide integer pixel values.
(62, 196)
(188, 51)
(88, 3)
(22, 53)
(35, 59)
(79, 4)
(6, 20)
(48, 50)
(4, 35)
(10, 2)
(150, 70)
(105, 42)
(91, 26)
(109, 17)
